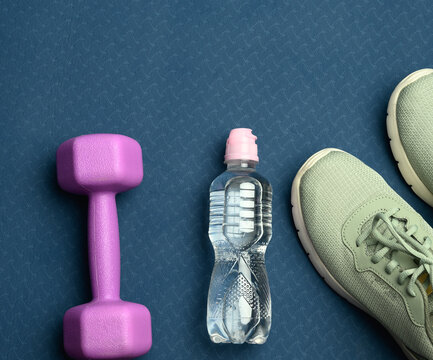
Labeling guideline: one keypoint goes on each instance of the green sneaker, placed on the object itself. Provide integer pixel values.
(368, 244)
(410, 128)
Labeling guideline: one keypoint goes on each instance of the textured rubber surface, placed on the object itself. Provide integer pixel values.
(177, 76)
(397, 148)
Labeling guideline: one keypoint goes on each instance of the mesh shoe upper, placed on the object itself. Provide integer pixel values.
(414, 114)
(335, 193)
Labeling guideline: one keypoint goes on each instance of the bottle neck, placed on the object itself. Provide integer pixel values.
(241, 165)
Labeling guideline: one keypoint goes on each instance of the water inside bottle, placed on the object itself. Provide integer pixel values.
(239, 305)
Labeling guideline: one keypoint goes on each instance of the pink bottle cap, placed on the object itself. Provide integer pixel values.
(241, 145)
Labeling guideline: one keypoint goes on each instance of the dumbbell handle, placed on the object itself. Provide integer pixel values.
(104, 247)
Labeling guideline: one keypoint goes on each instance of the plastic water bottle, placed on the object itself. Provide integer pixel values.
(240, 228)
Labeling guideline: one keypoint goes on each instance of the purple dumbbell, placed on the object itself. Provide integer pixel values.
(100, 166)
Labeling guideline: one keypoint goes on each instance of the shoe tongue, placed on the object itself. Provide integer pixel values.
(372, 243)
(404, 260)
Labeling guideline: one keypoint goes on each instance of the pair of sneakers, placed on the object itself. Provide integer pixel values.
(368, 244)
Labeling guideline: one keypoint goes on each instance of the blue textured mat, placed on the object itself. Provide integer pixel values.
(177, 76)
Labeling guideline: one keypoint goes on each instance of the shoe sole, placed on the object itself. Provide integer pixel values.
(398, 152)
(310, 250)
